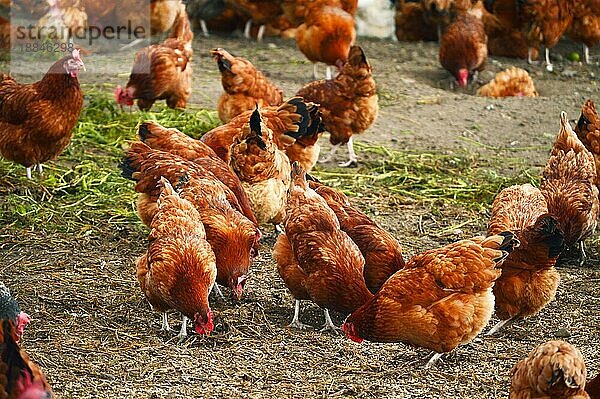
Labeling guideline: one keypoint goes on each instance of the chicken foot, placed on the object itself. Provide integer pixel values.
(296, 320)
(37, 167)
(498, 327)
(549, 66)
(582, 254)
(329, 326)
(247, 29)
(329, 156)
(586, 54)
(217, 291)
(353, 159)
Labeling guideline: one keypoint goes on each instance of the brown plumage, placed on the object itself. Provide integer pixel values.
(232, 236)
(179, 269)
(441, 299)
(328, 266)
(463, 48)
(296, 127)
(382, 252)
(504, 28)
(568, 184)
(348, 103)
(326, 34)
(36, 120)
(164, 14)
(512, 82)
(545, 21)
(588, 131)
(528, 281)
(175, 142)
(411, 25)
(295, 11)
(162, 71)
(260, 12)
(244, 85)
(263, 169)
(20, 377)
(592, 387)
(441, 13)
(554, 370)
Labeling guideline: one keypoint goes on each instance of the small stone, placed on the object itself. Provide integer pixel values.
(458, 232)
(563, 333)
(490, 107)
(271, 45)
(569, 73)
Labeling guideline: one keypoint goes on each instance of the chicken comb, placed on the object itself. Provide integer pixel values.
(76, 54)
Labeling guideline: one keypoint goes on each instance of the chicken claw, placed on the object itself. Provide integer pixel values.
(582, 254)
(498, 327)
(329, 326)
(353, 161)
(183, 332)
(329, 156)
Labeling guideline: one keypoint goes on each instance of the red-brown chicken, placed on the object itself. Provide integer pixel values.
(528, 281)
(382, 252)
(263, 169)
(545, 21)
(324, 264)
(178, 143)
(179, 269)
(585, 27)
(441, 299)
(36, 120)
(162, 71)
(555, 369)
(411, 24)
(20, 377)
(232, 236)
(244, 85)
(326, 35)
(348, 103)
(463, 48)
(441, 13)
(568, 184)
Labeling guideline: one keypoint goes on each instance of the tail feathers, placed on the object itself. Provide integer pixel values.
(255, 136)
(145, 131)
(506, 242)
(181, 29)
(310, 124)
(551, 234)
(313, 179)
(133, 160)
(567, 139)
(588, 116)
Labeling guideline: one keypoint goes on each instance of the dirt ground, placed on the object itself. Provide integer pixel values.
(104, 342)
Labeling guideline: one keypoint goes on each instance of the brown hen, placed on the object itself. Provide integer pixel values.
(348, 103)
(588, 131)
(37, 120)
(244, 85)
(463, 48)
(568, 184)
(315, 258)
(528, 281)
(179, 269)
(441, 299)
(554, 370)
(162, 71)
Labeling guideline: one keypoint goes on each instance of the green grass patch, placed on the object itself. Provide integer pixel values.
(463, 179)
(82, 191)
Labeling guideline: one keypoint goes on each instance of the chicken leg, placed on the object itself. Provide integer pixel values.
(183, 332)
(498, 327)
(28, 172)
(296, 320)
(329, 156)
(204, 28)
(165, 322)
(39, 168)
(353, 159)
(549, 66)
(261, 33)
(247, 29)
(434, 359)
(217, 291)
(582, 254)
(329, 326)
